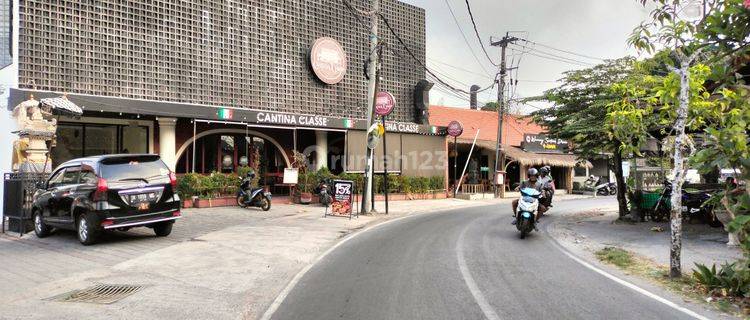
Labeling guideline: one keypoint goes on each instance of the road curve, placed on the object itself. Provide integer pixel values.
(462, 264)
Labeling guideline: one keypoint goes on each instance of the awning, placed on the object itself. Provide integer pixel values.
(532, 158)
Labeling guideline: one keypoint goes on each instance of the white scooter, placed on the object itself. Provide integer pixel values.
(528, 208)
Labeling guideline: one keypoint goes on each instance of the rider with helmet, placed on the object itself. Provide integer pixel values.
(548, 184)
(534, 183)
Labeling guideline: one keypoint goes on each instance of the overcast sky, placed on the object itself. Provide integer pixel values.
(596, 28)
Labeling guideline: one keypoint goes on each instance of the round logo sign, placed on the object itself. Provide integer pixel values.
(328, 60)
(384, 103)
(455, 128)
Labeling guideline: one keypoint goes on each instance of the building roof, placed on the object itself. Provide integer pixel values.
(531, 158)
(514, 126)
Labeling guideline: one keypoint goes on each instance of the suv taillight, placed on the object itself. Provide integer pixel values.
(101, 190)
(173, 179)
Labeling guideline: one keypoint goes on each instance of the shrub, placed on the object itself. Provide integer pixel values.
(730, 279)
(187, 185)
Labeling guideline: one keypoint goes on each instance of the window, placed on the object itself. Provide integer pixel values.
(580, 171)
(56, 179)
(71, 176)
(100, 140)
(75, 140)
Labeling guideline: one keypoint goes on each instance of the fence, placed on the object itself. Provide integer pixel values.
(18, 199)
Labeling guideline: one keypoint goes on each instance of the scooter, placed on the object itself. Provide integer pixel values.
(528, 207)
(324, 193)
(692, 206)
(601, 188)
(252, 197)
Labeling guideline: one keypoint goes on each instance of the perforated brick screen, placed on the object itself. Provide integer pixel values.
(250, 54)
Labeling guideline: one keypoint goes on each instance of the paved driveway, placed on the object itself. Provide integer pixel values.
(28, 261)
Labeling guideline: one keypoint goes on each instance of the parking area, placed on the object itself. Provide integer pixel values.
(28, 260)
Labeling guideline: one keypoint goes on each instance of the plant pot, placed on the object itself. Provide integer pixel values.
(229, 201)
(187, 203)
(203, 203)
(305, 197)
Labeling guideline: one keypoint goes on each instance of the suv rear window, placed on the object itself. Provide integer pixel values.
(133, 168)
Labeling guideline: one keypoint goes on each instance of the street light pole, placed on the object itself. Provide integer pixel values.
(371, 87)
(499, 154)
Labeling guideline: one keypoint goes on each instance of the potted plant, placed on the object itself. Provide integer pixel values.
(304, 186)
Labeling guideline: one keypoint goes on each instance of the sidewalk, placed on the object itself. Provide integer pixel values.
(592, 231)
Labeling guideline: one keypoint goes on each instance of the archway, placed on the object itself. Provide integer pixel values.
(185, 147)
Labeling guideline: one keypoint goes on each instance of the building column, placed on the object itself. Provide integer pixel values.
(167, 144)
(321, 150)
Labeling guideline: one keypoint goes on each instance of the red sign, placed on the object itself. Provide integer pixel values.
(384, 103)
(455, 128)
(328, 60)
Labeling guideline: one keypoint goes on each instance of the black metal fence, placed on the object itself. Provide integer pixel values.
(19, 189)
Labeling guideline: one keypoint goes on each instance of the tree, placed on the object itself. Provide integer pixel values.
(490, 106)
(679, 99)
(579, 111)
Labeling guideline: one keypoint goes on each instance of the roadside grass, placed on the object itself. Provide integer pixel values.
(686, 286)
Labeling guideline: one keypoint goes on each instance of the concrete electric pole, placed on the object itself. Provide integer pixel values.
(371, 87)
(499, 154)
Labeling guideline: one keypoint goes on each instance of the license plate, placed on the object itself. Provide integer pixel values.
(142, 197)
(143, 206)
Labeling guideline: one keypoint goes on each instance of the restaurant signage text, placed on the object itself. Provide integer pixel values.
(542, 143)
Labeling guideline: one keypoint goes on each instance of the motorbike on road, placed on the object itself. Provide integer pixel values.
(528, 208)
(247, 196)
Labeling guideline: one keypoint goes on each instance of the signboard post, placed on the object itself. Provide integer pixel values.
(455, 129)
(384, 105)
(343, 192)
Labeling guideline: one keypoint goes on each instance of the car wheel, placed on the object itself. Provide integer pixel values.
(86, 229)
(163, 229)
(41, 229)
(265, 204)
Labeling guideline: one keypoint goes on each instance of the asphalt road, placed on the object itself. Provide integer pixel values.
(462, 264)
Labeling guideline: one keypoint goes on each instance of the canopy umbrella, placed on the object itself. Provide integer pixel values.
(61, 106)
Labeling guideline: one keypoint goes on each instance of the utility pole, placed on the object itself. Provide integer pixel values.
(371, 87)
(499, 154)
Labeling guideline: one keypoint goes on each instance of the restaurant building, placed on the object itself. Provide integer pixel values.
(214, 85)
(524, 145)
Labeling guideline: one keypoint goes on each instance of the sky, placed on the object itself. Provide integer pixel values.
(595, 28)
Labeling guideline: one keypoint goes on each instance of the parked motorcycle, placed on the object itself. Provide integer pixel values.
(252, 197)
(528, 206)
(692, 206)
(600, 187)
(324, 192)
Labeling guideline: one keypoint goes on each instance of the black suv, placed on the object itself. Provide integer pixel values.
(93, 194)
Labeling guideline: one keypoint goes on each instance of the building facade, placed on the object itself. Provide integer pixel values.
(213, 85)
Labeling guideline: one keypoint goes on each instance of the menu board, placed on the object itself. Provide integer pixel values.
(343, 195)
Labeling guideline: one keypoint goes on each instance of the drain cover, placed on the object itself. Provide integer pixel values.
(100, 293)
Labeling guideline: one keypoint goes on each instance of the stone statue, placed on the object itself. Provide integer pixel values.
(36, 132)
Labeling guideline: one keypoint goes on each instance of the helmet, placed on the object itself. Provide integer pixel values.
(533, 172)
(251, 174)
(544, 170)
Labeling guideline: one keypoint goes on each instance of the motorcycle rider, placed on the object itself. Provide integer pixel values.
(534, 183)
(548, 184)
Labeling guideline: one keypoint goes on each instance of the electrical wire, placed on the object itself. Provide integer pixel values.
(561, 50)
(476, 31)
(466, 40)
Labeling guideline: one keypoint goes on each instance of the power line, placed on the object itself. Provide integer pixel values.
(420, 62)
(561, 50)
(476, 31)
(464, 36)
(544, 54)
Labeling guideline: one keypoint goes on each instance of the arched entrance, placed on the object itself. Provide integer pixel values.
(224, 150)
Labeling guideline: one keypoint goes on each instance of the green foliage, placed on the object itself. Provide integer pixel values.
(207, 186)
(490, 106)
(730, 280)
(187, 185)
(616, 256)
